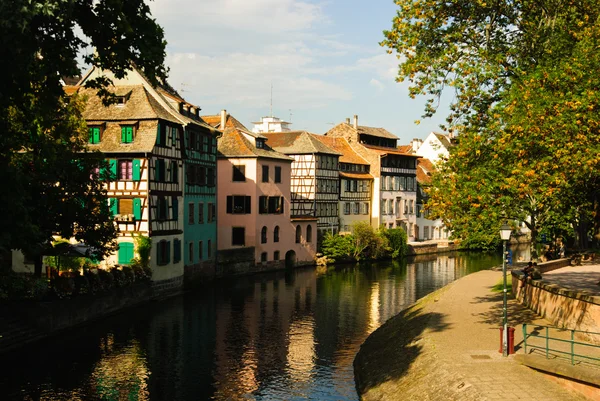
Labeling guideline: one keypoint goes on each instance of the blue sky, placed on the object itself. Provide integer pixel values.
(322, 57)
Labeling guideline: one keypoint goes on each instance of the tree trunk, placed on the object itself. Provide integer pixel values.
(38, 263)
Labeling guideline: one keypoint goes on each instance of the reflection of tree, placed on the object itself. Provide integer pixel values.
(121, 373)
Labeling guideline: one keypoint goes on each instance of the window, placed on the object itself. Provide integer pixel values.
(347, 208)
(239, 173)
(201, 176)
(263, 235)
(426, 232)
(163, 252)
(191, 251)
(356, 208)
(412, 206)
(174, 136)
(277, 174)
(125, 206)
(190, 213)
(200, 213)
(270, 204)
(347, 185)
(210, 177)
(175, 208)
(366, 208)
(276, 255)
(159, 170)
(200, 250)
(176, 251)
(260, 143)
(298, 234)
(125, 253)
(161, 137)
(383, 204)
(263, 257)
(174, 172)
(127, 134)
(354, 185)
(239, 204)
(161, 208)
(390, 206)
(209, 249)
(265, 173)
(238, 236)
(94, 135)
(211, 212)
(276, 234)
(125, 169)
(309, 233)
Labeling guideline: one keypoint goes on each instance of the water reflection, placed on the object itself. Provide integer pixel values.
(287, 335)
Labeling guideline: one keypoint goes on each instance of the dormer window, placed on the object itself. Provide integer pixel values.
(260, 143)
(126, 133)
(94, 135)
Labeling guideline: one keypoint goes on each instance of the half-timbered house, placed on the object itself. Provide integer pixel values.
(141, 137)
(314, 178)
(393, 170)
(355, 184)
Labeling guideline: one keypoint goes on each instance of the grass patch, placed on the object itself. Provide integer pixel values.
(500, 285)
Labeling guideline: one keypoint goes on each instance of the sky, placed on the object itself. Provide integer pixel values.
(322, 59)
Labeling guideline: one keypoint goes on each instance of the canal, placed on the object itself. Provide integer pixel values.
(276, 336)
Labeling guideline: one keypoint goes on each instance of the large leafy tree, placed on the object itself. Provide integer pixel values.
(48, 182)
(518, 108)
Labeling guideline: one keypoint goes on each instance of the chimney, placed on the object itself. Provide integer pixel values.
(223, 119)
(416, 144)
(355, 121)
(348, 121)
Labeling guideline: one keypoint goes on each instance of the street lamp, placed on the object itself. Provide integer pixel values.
(505, 236)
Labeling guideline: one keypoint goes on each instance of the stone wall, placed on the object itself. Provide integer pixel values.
(565, 308)
(429, 247)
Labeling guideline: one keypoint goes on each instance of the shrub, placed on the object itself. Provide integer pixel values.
(63, 287)
(94, 282)
(82, 285)
(107, 281)
(129, 274)
(15, 286)
(397, 242)
(337, 247)
(118, 276)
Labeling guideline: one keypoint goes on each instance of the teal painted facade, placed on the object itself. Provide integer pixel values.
(199, 199)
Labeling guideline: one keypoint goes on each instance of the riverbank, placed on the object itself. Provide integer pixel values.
(445, 347)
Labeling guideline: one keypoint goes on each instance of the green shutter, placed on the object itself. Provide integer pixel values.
(124, 134)
(177, 251)
(94, 135)
(125, 253)
(168, 258)
(175, 208)
(158, 254)
(113, 205)
(112, 164)
(137, 170)
(137, 208)
(129, 134)
(158, 134)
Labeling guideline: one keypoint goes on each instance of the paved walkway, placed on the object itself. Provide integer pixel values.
(454, 354)
(584, 277)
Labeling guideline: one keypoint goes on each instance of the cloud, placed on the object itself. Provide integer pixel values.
(378, 85)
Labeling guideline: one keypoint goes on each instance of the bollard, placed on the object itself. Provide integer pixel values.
(511, 340)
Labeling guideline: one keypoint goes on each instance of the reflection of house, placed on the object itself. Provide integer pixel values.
(394, 172)
(355, 184)
(426, 229)
(254, 198)
(315, 177)
(141, 137)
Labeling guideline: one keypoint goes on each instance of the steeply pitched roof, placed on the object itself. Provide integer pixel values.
(234, 144)
(382, 150)
(443, 139)
(139, 105)
(424, 169)
(230, 122)
(379, 132)
(405, 149)
(343, 147)
(362, 176)
(298, 142)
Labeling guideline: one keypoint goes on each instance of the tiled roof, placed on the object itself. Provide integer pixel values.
(298, 142)
(230, 122)
(379, 132)
(424, 169)
(144, 137)
(443, 139)
(405, 149)
(383, 150)
(140, 105)
(234, 144)
(343, 147)
(362, 176)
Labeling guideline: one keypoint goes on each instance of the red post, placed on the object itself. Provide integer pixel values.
(511, 340)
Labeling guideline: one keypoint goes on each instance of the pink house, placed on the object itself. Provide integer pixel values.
(255, 231)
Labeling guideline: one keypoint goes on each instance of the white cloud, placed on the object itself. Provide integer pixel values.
(378, 85)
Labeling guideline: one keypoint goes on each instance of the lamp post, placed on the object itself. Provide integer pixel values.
(505, 236)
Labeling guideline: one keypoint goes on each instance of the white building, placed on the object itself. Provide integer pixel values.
(271, 124)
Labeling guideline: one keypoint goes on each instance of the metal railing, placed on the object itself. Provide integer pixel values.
(584, 350)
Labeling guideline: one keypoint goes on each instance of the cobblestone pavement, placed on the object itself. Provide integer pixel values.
(471, 343)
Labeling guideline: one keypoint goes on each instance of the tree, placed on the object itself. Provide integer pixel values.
(45, 169)
(517, 124)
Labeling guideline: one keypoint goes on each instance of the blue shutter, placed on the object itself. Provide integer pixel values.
(137, 170)
(137, 208)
